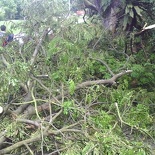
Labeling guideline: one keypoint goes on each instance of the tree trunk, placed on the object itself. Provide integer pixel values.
(110, 19)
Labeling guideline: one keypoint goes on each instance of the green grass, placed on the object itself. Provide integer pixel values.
(12, 25)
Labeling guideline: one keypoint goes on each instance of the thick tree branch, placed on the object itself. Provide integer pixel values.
(109, 81)
(4, 61)
(38, 137)
(35, 123)
(145, 28)
(89, 5)
(35, 53)
(31, 111)
(19, 144)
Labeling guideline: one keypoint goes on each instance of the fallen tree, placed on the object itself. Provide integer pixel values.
(44, 125)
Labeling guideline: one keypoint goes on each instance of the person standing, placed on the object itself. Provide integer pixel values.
(5, 38)
(3, 30)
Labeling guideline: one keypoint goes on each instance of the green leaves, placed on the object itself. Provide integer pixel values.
(69, 107)
(103, 120)
(132, 10)
(105, 4)
(143, 73)
(138, 70)
(136, 13)
(11, 77)
(138, 10)
(129, 10)
(88, 148)
(71, 87)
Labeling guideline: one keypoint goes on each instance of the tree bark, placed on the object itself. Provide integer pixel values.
(111, 15)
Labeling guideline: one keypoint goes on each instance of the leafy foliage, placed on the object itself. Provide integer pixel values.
(11, 9)
(51, 111)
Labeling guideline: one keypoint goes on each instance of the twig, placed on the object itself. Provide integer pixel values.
(56, 115)
(44, 106)
(29, 149)
(116, 104)
(37, 137)
(35, 53)
(58, 150)
(4, 61)
(104, 63)
(42, 139)
(42, 76)
(19, 144)
(91, 149)
(35, 104)
(35, 123)
(135, 127)
(43, 86)
(97, 42)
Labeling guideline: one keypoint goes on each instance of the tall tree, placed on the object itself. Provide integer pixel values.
(125, 13)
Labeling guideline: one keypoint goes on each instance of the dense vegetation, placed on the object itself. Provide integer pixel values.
(81, 90)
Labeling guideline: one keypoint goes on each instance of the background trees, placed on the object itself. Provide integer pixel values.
(11, 9)
(123, 13)
(79, 89)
